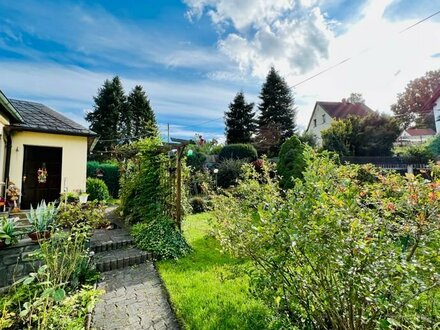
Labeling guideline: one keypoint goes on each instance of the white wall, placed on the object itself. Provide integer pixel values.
(74, 162)
(320, 124)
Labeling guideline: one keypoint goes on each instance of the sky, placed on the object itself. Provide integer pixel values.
(193, 56)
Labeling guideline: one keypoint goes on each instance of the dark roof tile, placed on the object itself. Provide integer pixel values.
(39, 117)
(341, 110)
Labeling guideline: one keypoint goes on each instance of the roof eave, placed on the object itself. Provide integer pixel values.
(51, 131)
(10, 108)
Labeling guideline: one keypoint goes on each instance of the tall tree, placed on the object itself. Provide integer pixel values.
(104, 119)
(276, 122)
(408, 108)
(356, 98)
(239, 120)
(142, 119)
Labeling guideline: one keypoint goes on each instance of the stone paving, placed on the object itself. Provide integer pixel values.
(134, 299)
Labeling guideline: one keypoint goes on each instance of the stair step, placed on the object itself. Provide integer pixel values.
(115, 259)
(107, 240)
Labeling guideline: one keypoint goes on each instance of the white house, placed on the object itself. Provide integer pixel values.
(41, 151)
(324, 113)
(415, 136)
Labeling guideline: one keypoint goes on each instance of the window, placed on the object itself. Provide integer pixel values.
(314, 122)
(323, 118)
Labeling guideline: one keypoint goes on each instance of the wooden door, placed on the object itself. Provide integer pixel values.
(35, 187)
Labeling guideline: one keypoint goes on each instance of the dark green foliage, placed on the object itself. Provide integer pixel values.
(291, 162)
(110, 176)
(309, 139)
(238, 151)
(277, 114)
(409, 105)
(228, 172)
(97, 190)
(104, 119)
(415, 154)
(434, 146)
(198, 205)
(372, 135)
(142, 119)
(144, 189)
(160, 237)
(196, 160)
(239, 121)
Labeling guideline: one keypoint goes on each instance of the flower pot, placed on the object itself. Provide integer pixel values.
(83, 198)
(37, 236)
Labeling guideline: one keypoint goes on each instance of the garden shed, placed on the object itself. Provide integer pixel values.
(41, 151)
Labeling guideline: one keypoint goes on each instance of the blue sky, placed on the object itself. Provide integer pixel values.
(193, 56)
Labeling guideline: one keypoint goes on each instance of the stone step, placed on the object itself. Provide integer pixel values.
(106, 240)
(115, 259)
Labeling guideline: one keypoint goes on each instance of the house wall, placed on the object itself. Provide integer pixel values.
(74, 161)
(437, 115)
(405, 138)
(320, 124)
(3, 122)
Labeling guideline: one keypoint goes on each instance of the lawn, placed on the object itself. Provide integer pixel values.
(205, 289)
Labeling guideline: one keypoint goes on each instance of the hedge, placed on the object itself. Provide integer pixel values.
(238, 151)
(111, 175)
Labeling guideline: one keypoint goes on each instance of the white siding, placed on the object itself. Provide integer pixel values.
(322, 120)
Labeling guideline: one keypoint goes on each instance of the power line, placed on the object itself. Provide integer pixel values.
(363, 51)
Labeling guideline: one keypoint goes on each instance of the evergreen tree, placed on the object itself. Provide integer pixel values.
(277, 114)
(142, 119)
(239, 120)
(104, 119)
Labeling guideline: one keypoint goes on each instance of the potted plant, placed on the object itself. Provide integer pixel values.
(8, 231)
(42, 220)
(83, 197)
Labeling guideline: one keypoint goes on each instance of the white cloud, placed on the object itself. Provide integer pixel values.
(377, 52)
(288, 34)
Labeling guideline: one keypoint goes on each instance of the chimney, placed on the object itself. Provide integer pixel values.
(344, 100)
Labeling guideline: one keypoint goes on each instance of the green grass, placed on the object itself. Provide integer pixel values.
(205, 289)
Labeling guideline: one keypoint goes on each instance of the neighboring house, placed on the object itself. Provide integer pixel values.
(41, 151)
(433, 104)
(324, 113)
(415, 136)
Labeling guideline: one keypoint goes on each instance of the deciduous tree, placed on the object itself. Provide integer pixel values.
(409, 106)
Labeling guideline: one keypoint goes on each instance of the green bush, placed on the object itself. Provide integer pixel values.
(228, 172)
(91, 214)
(198, 205)
(415, 154)
(111, 175)
(238, 151)
(335, 252)
(291, 162)
(160, 237)
(196, 160)
(97, 190)
(434, 146)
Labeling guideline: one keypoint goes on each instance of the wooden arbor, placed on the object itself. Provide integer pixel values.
(179, 145)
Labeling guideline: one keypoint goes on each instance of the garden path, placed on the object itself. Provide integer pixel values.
(134, 299)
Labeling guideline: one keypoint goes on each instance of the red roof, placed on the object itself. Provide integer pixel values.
(341, 110)
(420, 131)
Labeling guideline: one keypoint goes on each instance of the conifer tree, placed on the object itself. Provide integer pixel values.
(142, 119)
(104, 119)
(239, 120)
(276, 122)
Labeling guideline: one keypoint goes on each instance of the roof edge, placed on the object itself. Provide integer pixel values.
(49, 131)
(10, 108)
